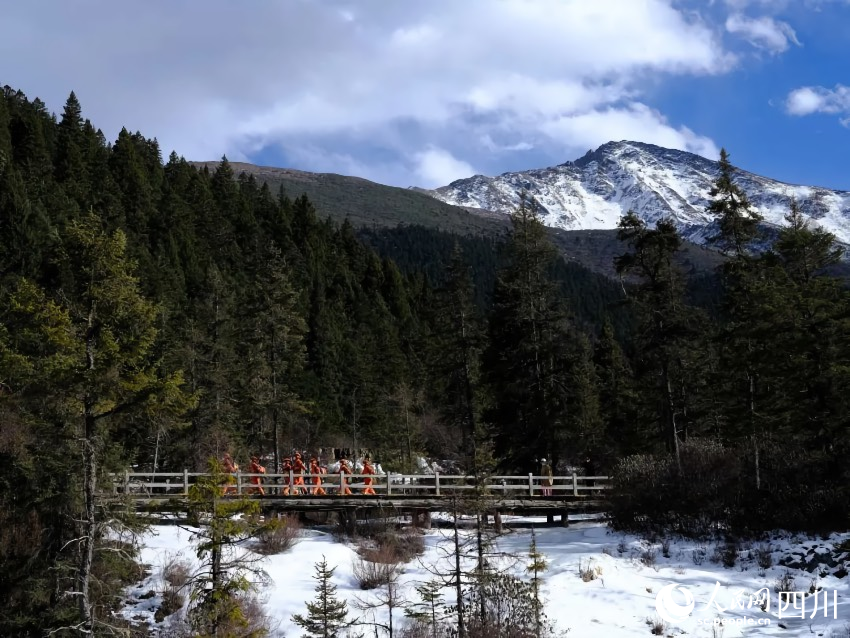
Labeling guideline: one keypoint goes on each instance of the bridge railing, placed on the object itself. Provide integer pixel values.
(164, 484)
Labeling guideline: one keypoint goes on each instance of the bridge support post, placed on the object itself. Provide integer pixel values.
(565, 518)
(550, 519)
(349, 521)
(497, 522)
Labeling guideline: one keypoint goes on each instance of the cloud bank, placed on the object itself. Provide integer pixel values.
(404, 93)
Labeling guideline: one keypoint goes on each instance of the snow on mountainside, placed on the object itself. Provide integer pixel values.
(594, 191)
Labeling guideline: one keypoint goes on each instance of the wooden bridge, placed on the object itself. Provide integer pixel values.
(415, 493)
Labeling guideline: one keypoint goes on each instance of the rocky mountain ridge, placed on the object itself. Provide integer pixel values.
(596, 190)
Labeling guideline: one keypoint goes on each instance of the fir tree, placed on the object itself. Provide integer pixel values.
(228, 573)
(666, 322)
(736, 219)
(526, 360)
(326, 616)
(536, 567)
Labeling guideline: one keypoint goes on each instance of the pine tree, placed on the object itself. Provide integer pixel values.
(228, 572)
(618, 397)
(326, 616)
(738, 227)
(457, 346)
(536, 567)
(114, 326)
(527, 357)
(666, 322)
(431, 611)
(812, 330)
(738, 222)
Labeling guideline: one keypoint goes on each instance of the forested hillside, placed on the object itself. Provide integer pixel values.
(155, 314)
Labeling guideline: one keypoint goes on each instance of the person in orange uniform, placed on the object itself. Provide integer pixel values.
(344, 469)
(256, 468)
(287, 465)
(228, 466)
(317, 490)
(368, 468)
(298, 468)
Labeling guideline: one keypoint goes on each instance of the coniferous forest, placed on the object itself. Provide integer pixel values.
(154, 315)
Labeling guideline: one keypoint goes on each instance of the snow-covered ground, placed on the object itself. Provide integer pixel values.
(616, 604)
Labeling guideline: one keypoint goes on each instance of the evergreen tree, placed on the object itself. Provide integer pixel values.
(457, 344)
(739, 343)
(737, 221)
(326, 616)
(228, 572)
(536, 567)
(666, 322)
(114, 329)
(527, 358)
(618, 397)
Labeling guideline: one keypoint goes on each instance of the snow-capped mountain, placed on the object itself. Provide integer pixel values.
(594, 191)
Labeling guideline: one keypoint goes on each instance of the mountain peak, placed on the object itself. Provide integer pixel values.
(597, 189)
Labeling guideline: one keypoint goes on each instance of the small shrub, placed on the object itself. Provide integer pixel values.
(175, 576)
(764, 557)
(717, 628)
(649, 557)
(278, 535)
(840, 632)
(785, 584)
(622, 547)
(588, 572)
(730, 555)
(698, 555)
(371, 574)
(396, 547)
(657, 626)
(665, 547)
(176, 571)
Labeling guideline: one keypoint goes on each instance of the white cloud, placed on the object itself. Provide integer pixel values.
(437, 167)
(764, 33)
(398, 76)
(637, 121)
(817, 99)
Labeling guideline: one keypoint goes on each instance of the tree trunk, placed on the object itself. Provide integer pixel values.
(461, 628)
(752, 410)
(479, 538)
(275, 425)
(89, 523)
(89, 490)
(671, 418)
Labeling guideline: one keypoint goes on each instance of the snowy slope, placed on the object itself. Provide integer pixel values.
(616, 605)
(594, 191)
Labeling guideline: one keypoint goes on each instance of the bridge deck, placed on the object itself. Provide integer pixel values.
(407, 502)
(422, 492)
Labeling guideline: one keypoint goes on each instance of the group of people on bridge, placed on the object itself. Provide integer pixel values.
(293, 470)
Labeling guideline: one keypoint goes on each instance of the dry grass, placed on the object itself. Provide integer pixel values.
(278, 535)
(657, 627)
(376, 568)
(174, 580)
(588, 572)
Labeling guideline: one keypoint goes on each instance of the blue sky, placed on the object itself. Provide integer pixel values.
(422, 92)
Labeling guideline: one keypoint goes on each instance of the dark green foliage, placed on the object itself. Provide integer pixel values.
(326, 615)
(455, 334)
(737, 223)
(537, 367)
